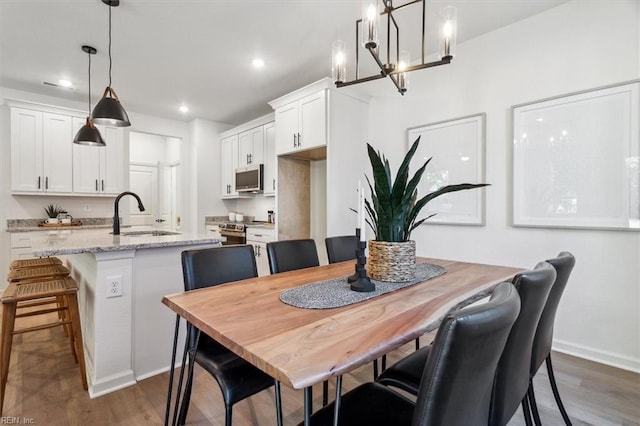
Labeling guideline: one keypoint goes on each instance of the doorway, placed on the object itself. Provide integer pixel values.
(155, 175)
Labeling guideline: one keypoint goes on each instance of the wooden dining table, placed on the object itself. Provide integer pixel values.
(301, 347)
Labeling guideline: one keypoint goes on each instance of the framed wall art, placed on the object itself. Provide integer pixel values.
(456, 148)
(575, 160)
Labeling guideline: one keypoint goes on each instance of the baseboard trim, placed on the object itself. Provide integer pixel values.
(158, 371)
(597, 355)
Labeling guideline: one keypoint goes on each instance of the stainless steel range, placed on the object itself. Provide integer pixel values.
(235, 233)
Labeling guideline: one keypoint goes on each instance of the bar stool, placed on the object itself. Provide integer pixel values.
(34, 263)
(64, 289)
(40, 273)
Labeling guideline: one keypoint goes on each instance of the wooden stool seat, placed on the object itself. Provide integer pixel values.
(63, 289)
(34, 263)
(42, 273)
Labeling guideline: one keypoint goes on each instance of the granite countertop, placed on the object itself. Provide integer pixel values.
(74, 241)
(30, 225)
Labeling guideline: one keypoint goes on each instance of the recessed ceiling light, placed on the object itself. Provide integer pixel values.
(64, 83)
(184, 108)
(258, 63)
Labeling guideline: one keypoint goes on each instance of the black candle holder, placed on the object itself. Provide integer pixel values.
(356, 274)
(362, 283)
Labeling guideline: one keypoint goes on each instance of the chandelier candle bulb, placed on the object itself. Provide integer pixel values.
(403, 62)
(338, 66)
(448, 32)
(370, 18)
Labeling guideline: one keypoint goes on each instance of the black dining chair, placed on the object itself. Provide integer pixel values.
(541, 352)
(237, 378)
(341, 248)
(456, 380)
(512, 376)
(289, 255)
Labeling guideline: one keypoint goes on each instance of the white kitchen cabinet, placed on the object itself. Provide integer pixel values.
(41, 145)
(229, 163)
(21, 246)
(213, 231)
(251, 147)
(258, 237)
(302, 124)
(270, 160)
(99, 170)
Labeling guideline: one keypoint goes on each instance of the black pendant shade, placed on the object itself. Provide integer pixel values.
(109, 110)
(89, 134)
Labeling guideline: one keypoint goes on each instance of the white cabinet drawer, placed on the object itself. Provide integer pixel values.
(263, 235)
(20, 239)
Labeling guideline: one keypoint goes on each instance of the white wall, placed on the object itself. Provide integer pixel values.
(576, 46)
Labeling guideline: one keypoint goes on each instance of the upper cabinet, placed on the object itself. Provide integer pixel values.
(251, 147)
(249, 144)
(40, 152)
(270, 160)
(229, 163)
(98, 170)
(44, 159)
(301, 124)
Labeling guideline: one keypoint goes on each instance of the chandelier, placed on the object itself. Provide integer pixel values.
(398, 66)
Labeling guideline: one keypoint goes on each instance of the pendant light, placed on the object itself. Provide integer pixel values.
(109, 110)
(89, 134)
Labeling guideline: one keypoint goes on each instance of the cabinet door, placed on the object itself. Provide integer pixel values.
(229, 159)
(86, 164)
(57, 152)
(257, 146)
(262, 260)
(245, 148)
(270, 159)
(287, 128)
(26, 150)
(112, 163)
(312, 121)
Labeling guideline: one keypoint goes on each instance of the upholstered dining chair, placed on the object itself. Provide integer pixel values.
(289, 255)
(541, 352)
(511, 381)
(237, 378)
(341, 248)
(456, 380)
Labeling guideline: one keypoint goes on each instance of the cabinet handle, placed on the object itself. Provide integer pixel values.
(102, 185)
(299, 140)
(274, 184)
(250, 158)
(46, 182)
(39, 179)
(295, 140)
(258, 249)
(96, 185)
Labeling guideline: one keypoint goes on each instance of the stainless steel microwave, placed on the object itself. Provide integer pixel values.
(249, 178)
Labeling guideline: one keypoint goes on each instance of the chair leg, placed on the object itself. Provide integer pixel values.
(186, 397)
(526, 412)
(227, 415)
(375, 369)
(533, 405)
(8, 319)
(384, 362)
(278, 403)
(417, 343)
(325, 393)
(556, 394)
(76, 330)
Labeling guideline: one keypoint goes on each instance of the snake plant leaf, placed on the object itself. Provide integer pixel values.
(394, 207)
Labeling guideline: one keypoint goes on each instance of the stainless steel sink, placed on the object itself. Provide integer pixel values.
(152, 233)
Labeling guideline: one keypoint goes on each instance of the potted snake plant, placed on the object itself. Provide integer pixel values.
(394, 213)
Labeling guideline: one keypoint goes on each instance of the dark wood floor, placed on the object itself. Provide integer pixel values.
(44, 385)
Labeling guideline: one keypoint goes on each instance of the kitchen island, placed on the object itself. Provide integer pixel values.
(127, 332)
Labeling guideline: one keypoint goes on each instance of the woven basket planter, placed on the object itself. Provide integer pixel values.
(393, 262)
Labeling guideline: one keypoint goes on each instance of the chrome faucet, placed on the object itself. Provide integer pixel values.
(116, 214)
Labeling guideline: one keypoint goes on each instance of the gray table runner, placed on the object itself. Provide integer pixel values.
(336, 292)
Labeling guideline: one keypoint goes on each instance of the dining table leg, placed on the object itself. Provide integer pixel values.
(278, 403)
(336, 407)
(171, 371)
(308, 405)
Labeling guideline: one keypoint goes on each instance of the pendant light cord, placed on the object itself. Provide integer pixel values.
(89, 83)
(110, 46)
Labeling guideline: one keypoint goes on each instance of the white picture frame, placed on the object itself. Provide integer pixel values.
(575, 160)
(457, 151)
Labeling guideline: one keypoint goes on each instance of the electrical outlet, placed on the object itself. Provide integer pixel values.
(114, 286)
(87, 208)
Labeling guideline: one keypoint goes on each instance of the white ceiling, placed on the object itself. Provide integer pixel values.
(199, 52)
